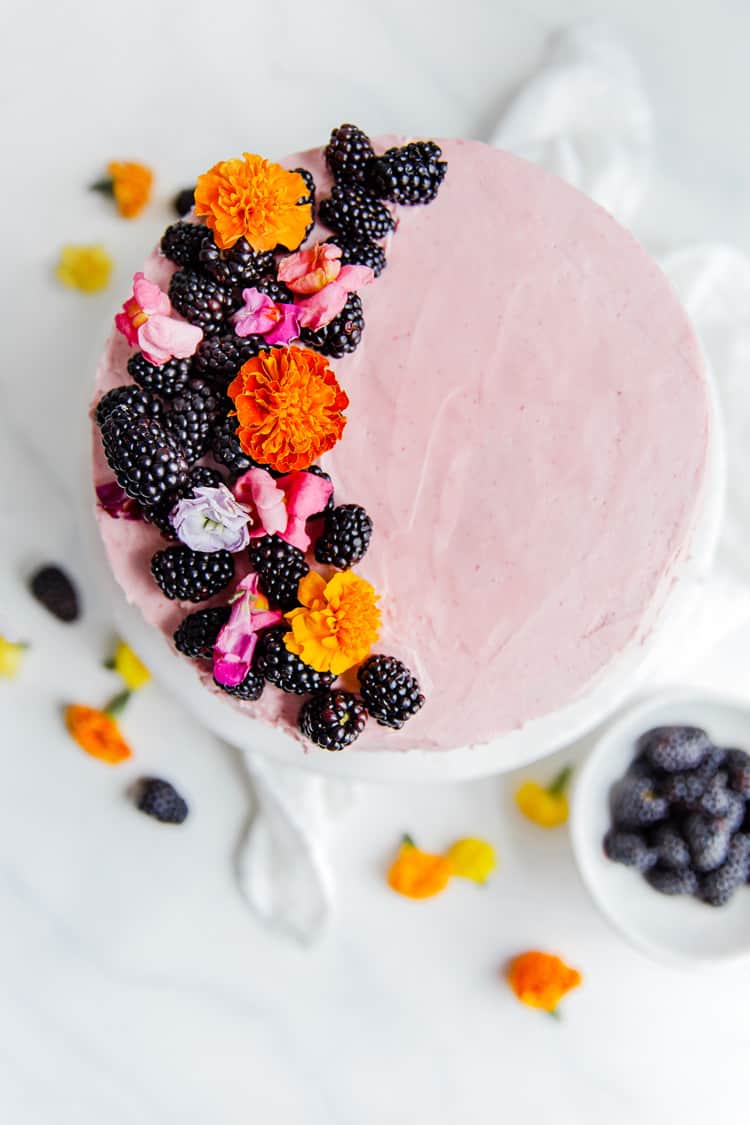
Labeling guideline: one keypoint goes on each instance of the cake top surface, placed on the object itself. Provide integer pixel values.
(528, 430)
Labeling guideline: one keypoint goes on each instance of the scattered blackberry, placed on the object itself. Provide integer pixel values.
(360, 252)
(250, 689)
(200, 300)
(675, 748)
(191, 415)
(332, 719)
(668, 882)
(670, 847)
(146, 460)
(161, 800)
(279, 567)
(226, 448)
(349, 154)
(410, 174)
(191, 576)
(220, 357)
(276, 290)
(738, 764)
(236, 268)
(635, 803)
(718, 886)
(182, 243)
(200, 476)
(184, 201)
(716, 798)
(629, 848)
(349, 210)
(342, 334)
(139, 403)
(345, 538)
(318, 472)
(389, 691)
(167, 380)
(51, 586)
(285, 669)
(708, 841)
(196, 634)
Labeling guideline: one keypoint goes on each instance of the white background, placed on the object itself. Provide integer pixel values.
(134, 984)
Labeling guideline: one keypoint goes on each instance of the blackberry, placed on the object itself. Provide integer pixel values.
(342, 334)
(279, 567)
(200, 476)
(184, 201)
(236, 268)
(708, 841)
(629, 848)
(191, 576)
(285, 669)
(349, 154)
(670, 847)
(360, 252)
(675, 748)
(636, 804)
(200, 300)
(308, 197)
(351, 211)
(332, 719)
(146, 460)
(318, 472)
(226, 448)
(54, 589)
(220, 357)
(182, 243)
(276, 290)
(250, 689)
(717, 887)
(196, 634)
(167, 380)
(137, 402)
(716, 799)
(738, 764)
(191, 415)
(389, 691)
(410, 174)
(345, 538)
(161, 800)
(669, 882)
(641, 767)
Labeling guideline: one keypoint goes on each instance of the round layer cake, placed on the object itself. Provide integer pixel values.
(528, 429)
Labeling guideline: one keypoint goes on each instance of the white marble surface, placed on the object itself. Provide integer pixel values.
(134, 984)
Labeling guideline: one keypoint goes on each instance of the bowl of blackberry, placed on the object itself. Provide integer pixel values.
(661, 826)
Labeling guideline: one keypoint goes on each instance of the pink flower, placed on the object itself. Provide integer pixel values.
(283, 506)
(147, 320)
(310, 270)
(260, 316)
(235, 644)
(320, 308)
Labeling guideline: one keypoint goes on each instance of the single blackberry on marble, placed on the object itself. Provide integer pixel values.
(285, 669)
(184, 201)
(160, 799)
(389, 691)
(237, 268)
(409, 174)
(351, 211)
(192, 414)
(196, 634)
(181, 243)
(349, 154)
(342, 335)
(220, 357)
(279, 567)
(191, 576)
(201, 300)
(166, 380)
(360, 252)
(138, 403)
(250, 689)
(332, 719)
(147, 461)
(345, 537)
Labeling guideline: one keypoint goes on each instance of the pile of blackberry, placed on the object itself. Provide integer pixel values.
(680, 815)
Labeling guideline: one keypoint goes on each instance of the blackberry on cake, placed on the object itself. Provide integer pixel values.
(341, 335)
(285, 669)
(146, 460)
(236, 268)
(308, 197)
(345, 537)
(191, 576)
(279, 567)
(389, 691)
(166, 380)
(201, 300)
(408, 174)
(360, 252)
(226, 448)
(196, 634)
(250, 689)
(318, 472)
(276, 290)
(191, 415)
(349, 210)
(332, 720)
(138, 403)
(220, 357)
(184, 201)
(182, 242)
(349, 154)
(160, 799)
(200, 476)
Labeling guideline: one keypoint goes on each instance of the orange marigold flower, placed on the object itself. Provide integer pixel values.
(541, 979)
(417, 874)
(289, 408)
(253, 199)
(97, 732)
(131, 185)
(337, 623)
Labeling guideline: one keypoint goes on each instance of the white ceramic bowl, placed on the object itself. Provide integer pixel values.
(667, 928)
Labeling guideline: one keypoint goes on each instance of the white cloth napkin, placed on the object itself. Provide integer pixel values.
(586, 117)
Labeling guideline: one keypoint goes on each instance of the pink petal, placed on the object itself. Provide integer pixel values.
(309, 270)
(355, 277)
(320, 309)
(255, 318)
(287, 328)
(124, 324)
(306, 495)
(258, 490)
(163, 337)
(150, 297)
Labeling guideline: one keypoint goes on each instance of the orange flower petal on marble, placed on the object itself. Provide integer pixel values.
(540, 980)
(418, 874)
(97, 733)
(131, 186)
(254, 199)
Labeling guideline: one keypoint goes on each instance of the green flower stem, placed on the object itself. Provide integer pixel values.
(105, 186)
(559, 784)
(407, 841)
(555, 1014)
(117, 703)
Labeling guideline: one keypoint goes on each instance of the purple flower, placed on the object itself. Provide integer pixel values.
(211, 520)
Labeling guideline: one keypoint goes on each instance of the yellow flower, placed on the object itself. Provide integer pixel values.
(547, 805)
(417, 874)
(87, 268)
(11, 656)
(131, 670)
(472, 858)
(337, 623)
(540, 980)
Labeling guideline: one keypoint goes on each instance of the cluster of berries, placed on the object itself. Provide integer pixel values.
(680, 815)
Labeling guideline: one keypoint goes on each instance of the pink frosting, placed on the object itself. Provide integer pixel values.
(528, 430)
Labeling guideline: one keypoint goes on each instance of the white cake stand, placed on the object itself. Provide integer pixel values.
(534, 740)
